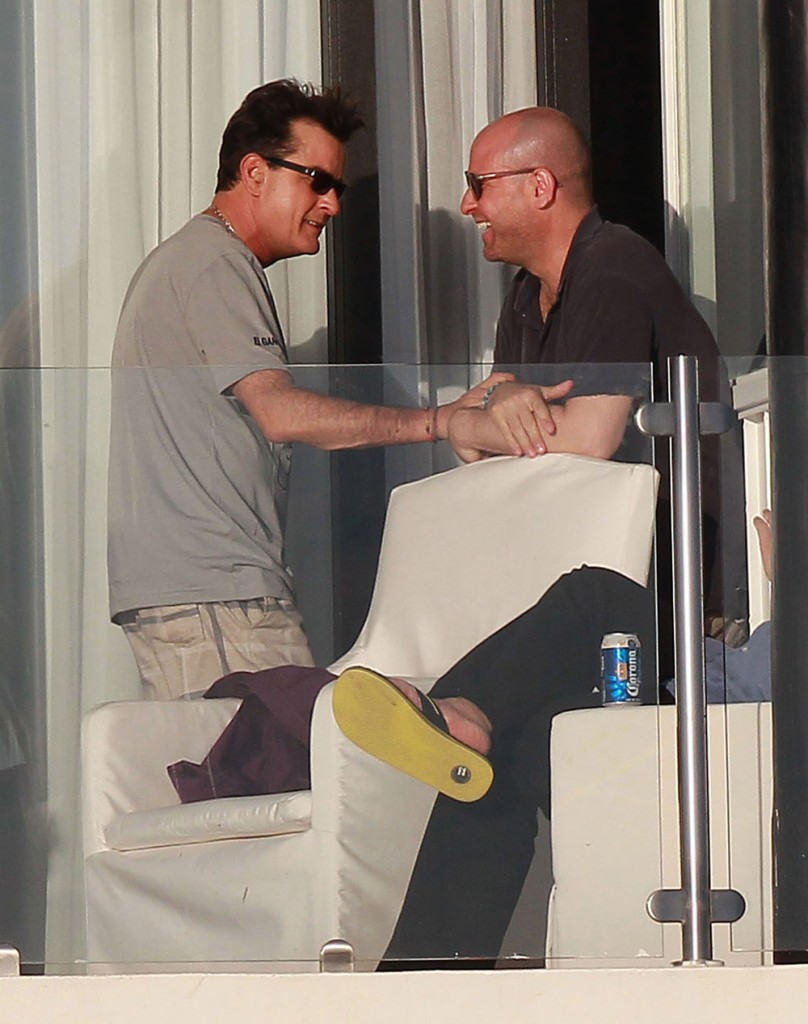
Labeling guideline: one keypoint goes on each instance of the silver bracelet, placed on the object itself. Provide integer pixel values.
(489, 393)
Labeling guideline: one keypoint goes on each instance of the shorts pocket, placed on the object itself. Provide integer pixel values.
(180, 627)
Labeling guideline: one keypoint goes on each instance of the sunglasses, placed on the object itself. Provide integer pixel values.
(321, 181)
(475, 181)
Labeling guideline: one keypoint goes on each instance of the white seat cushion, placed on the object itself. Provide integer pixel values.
(208, 820)
(468, 550)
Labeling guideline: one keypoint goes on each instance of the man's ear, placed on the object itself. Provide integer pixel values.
(253, 171)
(545, 186)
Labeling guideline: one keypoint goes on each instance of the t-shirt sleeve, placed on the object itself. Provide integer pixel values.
(230, 318)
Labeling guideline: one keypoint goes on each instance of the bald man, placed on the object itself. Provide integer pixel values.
(599, 297)
(588, 293)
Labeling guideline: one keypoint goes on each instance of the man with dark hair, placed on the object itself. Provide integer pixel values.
(263, 123)
(204, 406)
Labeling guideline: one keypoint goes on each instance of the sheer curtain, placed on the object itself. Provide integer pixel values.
(465, 62)
(131, 97)
(131, 100)
(444, 69)
(713, 177)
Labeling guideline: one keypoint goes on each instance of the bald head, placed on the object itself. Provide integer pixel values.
(541, 137)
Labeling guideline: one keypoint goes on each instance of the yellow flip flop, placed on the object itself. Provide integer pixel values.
(376, 716)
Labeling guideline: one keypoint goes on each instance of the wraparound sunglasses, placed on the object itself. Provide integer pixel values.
(321, 181)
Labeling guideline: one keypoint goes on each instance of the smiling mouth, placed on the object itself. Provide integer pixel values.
(316, 224)
(483, 225)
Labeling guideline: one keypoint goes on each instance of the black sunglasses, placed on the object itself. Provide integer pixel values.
(321, 181)
(475, 181)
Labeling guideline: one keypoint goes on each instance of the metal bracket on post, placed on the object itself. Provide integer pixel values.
(657, 419)
(696, 906)
(726, 906)
(337, 957)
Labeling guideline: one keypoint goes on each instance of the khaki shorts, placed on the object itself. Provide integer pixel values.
(181, 649)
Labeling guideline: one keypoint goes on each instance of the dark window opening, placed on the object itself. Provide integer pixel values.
(626, 114)
(599, 62)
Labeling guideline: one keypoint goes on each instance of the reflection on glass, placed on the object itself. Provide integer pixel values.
(23, 842)
(251, 877)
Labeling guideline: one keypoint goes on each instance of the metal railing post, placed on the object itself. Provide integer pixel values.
(691, 701)
(696, 905)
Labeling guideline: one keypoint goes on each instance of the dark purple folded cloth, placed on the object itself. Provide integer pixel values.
(265, 746)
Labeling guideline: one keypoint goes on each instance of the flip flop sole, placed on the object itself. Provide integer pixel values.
(379, 719)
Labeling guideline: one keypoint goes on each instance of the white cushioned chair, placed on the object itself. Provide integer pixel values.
(270, 879)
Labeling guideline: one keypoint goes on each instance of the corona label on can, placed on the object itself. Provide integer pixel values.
(620, 668)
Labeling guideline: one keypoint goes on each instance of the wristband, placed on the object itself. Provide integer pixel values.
(432, 424)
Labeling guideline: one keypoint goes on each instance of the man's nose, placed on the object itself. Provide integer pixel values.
(330, 203)
(468, 202)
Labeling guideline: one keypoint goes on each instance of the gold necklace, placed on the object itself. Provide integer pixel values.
(214, 209)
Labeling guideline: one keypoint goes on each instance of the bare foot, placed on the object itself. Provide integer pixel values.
(465, 721)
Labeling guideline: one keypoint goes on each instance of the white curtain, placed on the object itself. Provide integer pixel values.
(714, 164)
(131, 100)
(445, 68)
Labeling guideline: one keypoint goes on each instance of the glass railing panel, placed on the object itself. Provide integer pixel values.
(640, 846)
(736, 647)
(112, 882)
(23, 768)
(737, 672)
(764, 722)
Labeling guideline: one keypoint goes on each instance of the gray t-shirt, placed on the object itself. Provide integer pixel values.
(197, 496)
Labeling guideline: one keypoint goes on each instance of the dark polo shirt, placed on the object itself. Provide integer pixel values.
(618, 302)
(619, 315)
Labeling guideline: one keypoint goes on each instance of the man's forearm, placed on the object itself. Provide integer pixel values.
(591, 425)
(334, 423)
(474, 435)
(286, 413)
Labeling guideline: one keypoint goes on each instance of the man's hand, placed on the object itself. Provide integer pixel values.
(475, 434)
(464, 439)
(524, 418)
(472, 399)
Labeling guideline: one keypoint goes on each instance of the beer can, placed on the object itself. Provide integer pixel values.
(620, 669)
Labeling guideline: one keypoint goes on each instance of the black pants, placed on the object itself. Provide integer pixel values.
(474, 857)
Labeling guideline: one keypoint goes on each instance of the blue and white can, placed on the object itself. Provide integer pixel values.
(620, 673)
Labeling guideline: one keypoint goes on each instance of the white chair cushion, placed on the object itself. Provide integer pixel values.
(468, 550)
(208, 820)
